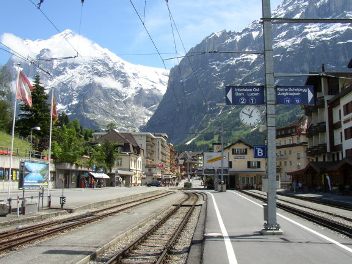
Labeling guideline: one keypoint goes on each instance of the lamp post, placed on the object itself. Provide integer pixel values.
(33, 128)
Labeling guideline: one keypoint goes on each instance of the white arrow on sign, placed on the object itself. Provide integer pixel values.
(229, 95)
(310, 95)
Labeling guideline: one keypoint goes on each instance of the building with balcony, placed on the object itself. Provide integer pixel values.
(329, 134)
(156, 161)
(291, 150)
(128, 164)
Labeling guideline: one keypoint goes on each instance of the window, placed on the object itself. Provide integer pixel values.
(348, 133)
(298, 155)
(253, 164)
(333, 86)
(347, 108)
(290, 151)
(298, 140)
(230, 164)
(119, 162)
(290, 163)
(348, 153)
(285, 163)
(239, 151)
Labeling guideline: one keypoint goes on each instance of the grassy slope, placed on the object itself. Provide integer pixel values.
(21, 145)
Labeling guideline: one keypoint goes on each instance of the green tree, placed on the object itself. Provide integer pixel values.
(5, 99)
(110, 153)
(111, 126)
(37, 115)
(67, 146)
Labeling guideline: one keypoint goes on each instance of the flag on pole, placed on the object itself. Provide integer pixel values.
(23, 89)
(54, 113)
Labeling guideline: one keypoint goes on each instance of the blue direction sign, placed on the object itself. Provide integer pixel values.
(244, 95)
(260, 152)
(295, 95)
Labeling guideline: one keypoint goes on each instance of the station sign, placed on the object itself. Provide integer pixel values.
(260, 152)
(244, 95)
(295, 95)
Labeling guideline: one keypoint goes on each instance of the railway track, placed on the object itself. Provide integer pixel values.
(17, 237)
(156, 243)
(336, 204)
(339, 223)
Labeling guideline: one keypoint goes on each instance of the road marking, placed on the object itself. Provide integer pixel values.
(302, 226)
(229, 249)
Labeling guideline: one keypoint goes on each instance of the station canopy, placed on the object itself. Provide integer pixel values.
(99, 175)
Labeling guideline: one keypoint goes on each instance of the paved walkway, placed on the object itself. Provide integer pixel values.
(76, 199)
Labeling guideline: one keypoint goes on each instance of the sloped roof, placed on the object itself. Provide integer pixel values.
(239, 141)
(112, 136)
(129, 138)
(322, 166)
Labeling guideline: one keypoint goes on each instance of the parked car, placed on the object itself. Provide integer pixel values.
(154, 183)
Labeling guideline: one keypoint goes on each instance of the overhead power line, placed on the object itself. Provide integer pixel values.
(282, 20)
(37, 6)
(191, 54)
(24, 58)
(150, 37)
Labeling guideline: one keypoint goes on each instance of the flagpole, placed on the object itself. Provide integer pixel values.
(50, 135)
(12, 135)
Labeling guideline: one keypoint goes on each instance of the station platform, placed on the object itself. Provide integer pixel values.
(76, 199)
(232, 235)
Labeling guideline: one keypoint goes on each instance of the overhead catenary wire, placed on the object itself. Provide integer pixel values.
(24, 58)
(147, 31)
(190, 63)
(179, 70)
(184, 50)
(53, 24)
(191, 54)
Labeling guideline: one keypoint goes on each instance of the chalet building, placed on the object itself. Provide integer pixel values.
(329, 135)
(128, 168)
(190, 162)
(245, 171)
(291, 147)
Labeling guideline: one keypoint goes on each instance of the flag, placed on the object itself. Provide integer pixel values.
(23, 89)
(54, 113)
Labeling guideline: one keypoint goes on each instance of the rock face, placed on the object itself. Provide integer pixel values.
(97, 87)
(198, 83)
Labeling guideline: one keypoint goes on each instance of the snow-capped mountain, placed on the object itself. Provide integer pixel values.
(198, 83)
(95, 86)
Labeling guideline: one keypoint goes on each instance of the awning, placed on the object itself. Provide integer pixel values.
(99, 175)
(123, 172)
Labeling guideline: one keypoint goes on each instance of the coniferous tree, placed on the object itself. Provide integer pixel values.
(36, 116)
(5, 99)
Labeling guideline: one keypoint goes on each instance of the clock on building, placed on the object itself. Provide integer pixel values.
(250, 115)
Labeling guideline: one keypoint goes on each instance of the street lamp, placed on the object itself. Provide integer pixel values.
(33, 128)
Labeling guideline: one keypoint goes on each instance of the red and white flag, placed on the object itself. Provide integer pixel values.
(23, 89)
(54, 113)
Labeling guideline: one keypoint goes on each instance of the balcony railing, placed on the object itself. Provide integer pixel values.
(316, 129)
(317, 150)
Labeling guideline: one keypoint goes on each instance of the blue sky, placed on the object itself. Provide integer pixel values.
(114, 24)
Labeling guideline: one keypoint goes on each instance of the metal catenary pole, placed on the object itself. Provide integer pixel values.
(271, 123)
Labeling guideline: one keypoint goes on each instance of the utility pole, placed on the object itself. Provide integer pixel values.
(271, 226)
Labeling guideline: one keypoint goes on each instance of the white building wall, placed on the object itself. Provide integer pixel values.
(346, 123)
